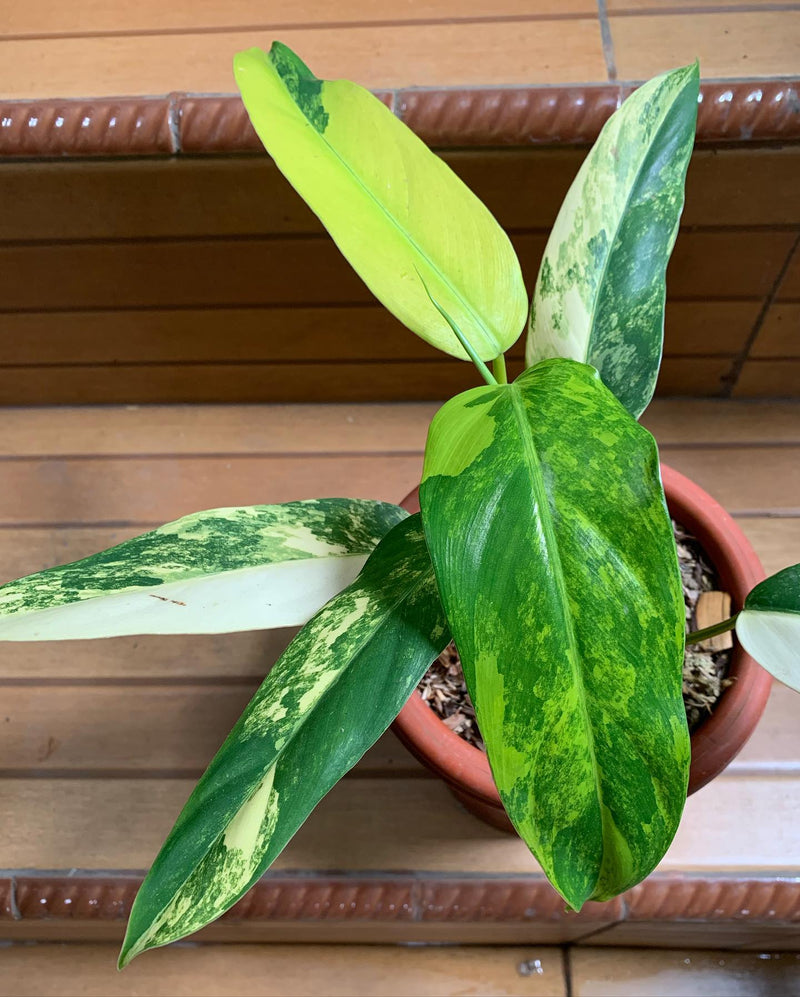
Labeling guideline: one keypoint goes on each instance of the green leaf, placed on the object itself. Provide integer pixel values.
(769, 625)
(331, 695)
(556, 564)
(600, 293)
(218, 571)
(399, 214)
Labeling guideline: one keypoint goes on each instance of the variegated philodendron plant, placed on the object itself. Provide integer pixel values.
(544, 546)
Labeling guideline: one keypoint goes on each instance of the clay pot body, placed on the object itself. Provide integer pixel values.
(714, 743)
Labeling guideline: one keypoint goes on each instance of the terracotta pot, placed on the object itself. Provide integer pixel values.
(714, 743)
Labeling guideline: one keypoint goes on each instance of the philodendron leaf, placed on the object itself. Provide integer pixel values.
(769, 625)
(399, 214)
(331, 695)
(556, 564)
(218, 571)
(600, 293)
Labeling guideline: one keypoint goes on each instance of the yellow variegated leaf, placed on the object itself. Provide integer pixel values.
(399, 214)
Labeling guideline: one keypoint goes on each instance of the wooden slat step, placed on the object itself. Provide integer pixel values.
(282, 971)
(523, 188)
(375, 824)
(292, 429)
(175, 729)
(309, 270)
(482, 53)
(45, 17)
(142, 491)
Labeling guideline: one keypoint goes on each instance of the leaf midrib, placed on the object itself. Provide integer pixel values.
(533, 465)
(490, 337)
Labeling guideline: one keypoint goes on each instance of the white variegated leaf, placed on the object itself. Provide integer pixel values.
(331, 695)
(600, 293)
(218, 571)
(769, 625)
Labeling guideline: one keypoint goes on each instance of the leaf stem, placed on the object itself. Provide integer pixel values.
(499, 369)
(484, 371)
(698, 636)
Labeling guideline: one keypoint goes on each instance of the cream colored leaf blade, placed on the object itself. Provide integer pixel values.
(217, 571)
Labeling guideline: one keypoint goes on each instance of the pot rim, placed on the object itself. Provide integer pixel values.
(714, 743)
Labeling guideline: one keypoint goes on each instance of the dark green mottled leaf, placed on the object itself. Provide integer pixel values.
(331, 695)
(769, 625)
(601, 289)
(248, 568)
(555, 560)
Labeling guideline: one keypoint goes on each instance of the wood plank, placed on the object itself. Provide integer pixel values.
(219, 657)
(777, 541)
(128, 198)
(124, 730)
(365, 428)
(743, 186)
(790, 285)
(779, 336)
(47, 18)
(717, 421)
(257, 429)
(151, 490)
(247, 195)
(334, 382)
(283, 971)
(744, 480)
(680, 972)
(375, 824)
(443, 54)
(179, 273)
(711, 264)
(253, 272)
(728, 44)
(217, 272)
(764, 378)
(212, 336)
(680, 6)
(176, 730)
(299, 333)
(705, 328)
(398, 381)
(774, 748)
(694, 376)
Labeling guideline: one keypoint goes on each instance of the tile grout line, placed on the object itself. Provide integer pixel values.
(16, 913)
(567, 970)
(732, 378)
(607, 41)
